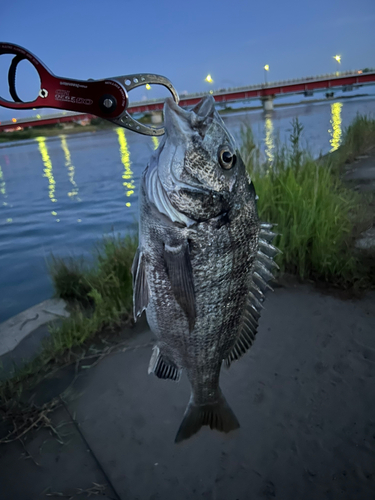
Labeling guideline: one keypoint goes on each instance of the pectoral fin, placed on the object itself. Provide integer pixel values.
(180, 273)
(140, 286)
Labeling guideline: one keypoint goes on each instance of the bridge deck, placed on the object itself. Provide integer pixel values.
(273, 89)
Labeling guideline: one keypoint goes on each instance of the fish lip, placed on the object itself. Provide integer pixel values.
(172, 105)
(197, 115)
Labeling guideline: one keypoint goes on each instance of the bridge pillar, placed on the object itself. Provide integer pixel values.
(156, 117)
(267, 103)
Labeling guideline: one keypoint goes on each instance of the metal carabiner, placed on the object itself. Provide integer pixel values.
(107, 98)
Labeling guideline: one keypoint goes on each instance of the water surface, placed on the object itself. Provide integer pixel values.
(62, 194)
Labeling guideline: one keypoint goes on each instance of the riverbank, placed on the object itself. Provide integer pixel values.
(52, 131)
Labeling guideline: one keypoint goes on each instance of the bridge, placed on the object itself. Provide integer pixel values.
(330, 83)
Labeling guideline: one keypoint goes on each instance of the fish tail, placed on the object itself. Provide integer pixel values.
(217, 415)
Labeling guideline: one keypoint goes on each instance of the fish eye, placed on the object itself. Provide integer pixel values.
(227, 159)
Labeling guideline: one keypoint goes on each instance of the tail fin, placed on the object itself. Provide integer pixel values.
(217, 415)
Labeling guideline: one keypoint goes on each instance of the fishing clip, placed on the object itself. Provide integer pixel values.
(107, 98)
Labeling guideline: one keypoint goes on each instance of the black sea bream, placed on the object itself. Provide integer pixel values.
(203, 261)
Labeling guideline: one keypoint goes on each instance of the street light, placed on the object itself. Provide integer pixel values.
(148, 86)
(209, 79)
(266, 68)
(338, 59)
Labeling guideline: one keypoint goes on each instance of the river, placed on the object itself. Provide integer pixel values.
(61, 194)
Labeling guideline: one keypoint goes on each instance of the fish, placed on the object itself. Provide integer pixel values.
(204, 259)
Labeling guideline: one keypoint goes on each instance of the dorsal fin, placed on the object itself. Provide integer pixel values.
(248, 330)
(262, 273)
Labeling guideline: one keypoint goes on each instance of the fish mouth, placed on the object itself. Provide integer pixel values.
(176, 121)
(180, 123)
(180, 127)
(170, 104)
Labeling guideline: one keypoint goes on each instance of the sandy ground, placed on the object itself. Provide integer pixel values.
(304, 396)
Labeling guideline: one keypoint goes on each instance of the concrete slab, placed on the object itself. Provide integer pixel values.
(24, 352)
(362, 170)
(361, 173)
(366, 240)
(303, 396)
(15, 329)
(365, 187)
(43, 465)
(361, 177)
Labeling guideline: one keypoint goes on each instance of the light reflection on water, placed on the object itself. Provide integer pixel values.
(102, 172)
(3, 193)
(335, 131)
(48, 171)
(125, 160)
(269, 139)
(71, 169)
(2, 186)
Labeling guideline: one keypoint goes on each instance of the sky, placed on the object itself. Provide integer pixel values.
(185, 41)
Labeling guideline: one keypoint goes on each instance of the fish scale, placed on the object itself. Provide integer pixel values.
(203, 262)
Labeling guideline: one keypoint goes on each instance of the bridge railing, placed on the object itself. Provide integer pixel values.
(277, 83)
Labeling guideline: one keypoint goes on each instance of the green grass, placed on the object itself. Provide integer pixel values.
(106, 287)
(101, 298)
(316, 215)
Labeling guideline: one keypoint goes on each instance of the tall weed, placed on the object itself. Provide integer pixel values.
(313, 211)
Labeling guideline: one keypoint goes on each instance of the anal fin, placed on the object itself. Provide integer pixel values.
(163, 368)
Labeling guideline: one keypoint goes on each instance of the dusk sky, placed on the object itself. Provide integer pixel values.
(231, 40)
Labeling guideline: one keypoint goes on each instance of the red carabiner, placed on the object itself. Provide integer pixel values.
(104, 98)
(107, 98)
